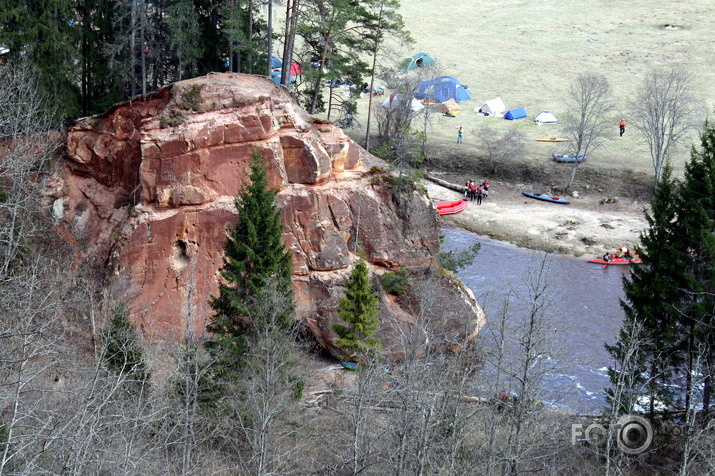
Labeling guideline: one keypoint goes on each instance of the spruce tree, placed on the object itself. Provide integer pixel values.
(697, 241)
(45, 33)
(255, 265)
(671, 296)
(122, 353)
(651, 292)
(358, 309)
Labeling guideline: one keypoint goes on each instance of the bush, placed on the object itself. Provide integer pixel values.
(456, 260)
(395, 283)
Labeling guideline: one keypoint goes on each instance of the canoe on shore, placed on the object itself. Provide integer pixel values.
(568, 158)
(545, 197)
(450, 208)
(552, 139)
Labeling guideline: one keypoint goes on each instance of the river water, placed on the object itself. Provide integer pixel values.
(583, 305)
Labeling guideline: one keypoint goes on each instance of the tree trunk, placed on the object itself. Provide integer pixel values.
(319, 80)
(250, 39)
(270, 36)
(372, 84)
(133, 49)
(291, 26)
(143, 47)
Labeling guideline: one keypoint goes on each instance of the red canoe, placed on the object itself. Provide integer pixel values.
(449, 208)
(616, 261)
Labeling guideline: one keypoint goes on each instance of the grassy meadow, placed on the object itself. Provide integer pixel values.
(528, 53)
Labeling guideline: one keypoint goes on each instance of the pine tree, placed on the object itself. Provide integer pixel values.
(670, 298)
(184, 39)
(358, 309)
(650, 294)
(122, 353)
(45, 32)
(697, 240)
(255, 266)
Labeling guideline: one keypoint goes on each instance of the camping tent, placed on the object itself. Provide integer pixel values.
(450, 107)
(276, 63)
(442, 89)
(546, 118)
(516, 113)
(395, 100)
(493, 107)
(417, 61)
(276, 76)
(295, 70)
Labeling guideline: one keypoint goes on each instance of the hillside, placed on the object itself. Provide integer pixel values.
(529, 52)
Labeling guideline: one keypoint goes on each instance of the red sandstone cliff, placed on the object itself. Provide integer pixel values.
(146, 191)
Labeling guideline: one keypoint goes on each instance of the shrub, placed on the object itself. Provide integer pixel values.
(395, 283)
(191, 99)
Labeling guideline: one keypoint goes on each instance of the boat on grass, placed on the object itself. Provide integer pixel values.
(545, 197)
(568, 158)
(349, 365)
(552, 139)
(449, 208)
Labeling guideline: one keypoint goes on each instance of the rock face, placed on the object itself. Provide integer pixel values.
(147, 189)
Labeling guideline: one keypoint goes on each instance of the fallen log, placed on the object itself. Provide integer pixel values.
(444, 183)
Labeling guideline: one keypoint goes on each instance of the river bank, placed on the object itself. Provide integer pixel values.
(589, 226)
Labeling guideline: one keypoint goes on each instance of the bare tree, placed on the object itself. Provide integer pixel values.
(589, 100)
(270, 386)
(663, 111)
(402, 144)
(30, 331)
(499, 147)
(520, 435)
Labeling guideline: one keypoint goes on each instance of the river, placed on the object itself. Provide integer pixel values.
(584, 305)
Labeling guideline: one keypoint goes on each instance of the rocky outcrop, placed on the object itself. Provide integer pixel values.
(147, 189)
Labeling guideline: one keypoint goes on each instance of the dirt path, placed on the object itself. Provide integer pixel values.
(585, 227)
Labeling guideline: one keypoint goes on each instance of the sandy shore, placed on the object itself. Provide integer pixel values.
(585, 227)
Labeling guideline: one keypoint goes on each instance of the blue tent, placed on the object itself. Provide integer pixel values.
(417, 61)
(276, 77)
(442, 89)
(276, 63)
(516, 113)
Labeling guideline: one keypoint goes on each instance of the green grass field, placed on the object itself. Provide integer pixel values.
(528, 52)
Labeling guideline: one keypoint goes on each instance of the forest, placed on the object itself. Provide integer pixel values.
(91, 54)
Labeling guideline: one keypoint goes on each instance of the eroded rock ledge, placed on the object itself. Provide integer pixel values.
(147, 188)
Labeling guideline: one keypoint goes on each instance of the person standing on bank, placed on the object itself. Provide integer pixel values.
(622, 126)
(485, 188)
(460, 133)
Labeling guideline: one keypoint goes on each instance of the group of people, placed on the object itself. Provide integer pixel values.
(472, 191)
(623, 252)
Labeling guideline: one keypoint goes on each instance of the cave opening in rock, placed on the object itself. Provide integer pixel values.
(181, 258)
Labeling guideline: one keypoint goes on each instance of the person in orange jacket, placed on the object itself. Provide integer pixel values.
(622, 126)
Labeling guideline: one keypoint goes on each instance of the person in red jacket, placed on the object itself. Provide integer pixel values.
(485, 188)
(472, 190)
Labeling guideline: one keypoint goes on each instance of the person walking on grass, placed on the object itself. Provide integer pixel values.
(460, 133)
(480, 194)
(622, 126)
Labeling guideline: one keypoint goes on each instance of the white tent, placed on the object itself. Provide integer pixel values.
(394, 100)
(546, 118)
(493, 107)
